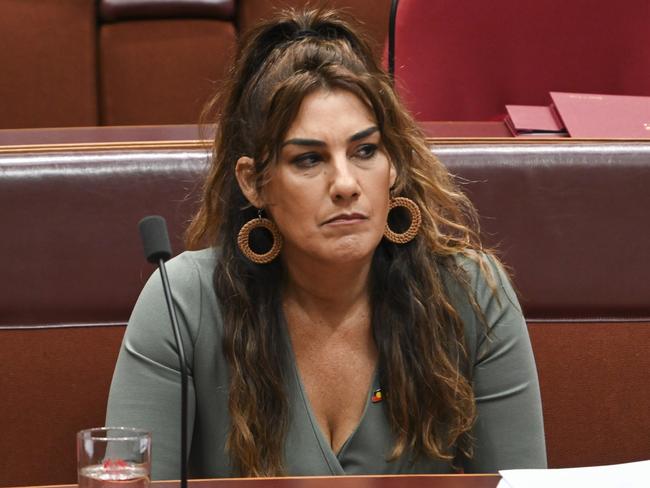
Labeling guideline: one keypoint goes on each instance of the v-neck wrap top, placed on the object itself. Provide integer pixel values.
(145, 391)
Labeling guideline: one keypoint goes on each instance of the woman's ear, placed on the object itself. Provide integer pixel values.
(392, 175)
(246, 177)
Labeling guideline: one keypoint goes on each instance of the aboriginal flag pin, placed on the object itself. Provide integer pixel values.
(376, 396)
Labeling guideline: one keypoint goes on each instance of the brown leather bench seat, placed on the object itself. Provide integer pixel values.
(569, 218)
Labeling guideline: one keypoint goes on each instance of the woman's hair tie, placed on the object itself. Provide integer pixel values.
(305, 33)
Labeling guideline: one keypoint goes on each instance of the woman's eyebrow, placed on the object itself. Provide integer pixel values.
(303, 142)
(364, 133)
(299, 141)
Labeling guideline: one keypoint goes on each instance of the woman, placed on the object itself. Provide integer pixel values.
(344, 318)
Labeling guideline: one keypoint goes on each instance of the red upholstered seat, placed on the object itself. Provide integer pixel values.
(466, 60)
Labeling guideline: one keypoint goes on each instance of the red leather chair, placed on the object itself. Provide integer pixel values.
(159, 62)
(466, 60)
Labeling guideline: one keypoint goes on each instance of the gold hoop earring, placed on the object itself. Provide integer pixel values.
(244, 234)
(416, 221)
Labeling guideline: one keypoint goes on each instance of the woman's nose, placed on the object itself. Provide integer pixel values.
(344, 184)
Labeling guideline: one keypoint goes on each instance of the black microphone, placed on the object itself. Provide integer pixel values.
(391, 38)
(157, 250)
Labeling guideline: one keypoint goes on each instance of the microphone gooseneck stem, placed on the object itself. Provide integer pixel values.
(391, 38)
(183, 368)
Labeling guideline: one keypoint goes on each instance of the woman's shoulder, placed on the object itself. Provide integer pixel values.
(190, 278)
(190, 264)
(191, 275)
(480, 291)
(480, 276)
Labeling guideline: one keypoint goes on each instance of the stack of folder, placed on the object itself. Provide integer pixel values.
(583, 115)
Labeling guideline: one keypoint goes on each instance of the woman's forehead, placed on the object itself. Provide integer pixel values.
(330, 112)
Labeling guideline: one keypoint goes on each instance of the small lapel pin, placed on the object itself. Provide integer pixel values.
(376, 396)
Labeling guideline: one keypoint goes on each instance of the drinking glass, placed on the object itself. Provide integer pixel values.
(108, 457)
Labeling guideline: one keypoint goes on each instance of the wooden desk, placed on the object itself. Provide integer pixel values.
(404, 481)
(407, 481)
(143, 133)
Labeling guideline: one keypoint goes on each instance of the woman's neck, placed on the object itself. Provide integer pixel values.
(327, 292)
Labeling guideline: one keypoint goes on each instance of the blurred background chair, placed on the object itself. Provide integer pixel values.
(467, 60)
(130, 62)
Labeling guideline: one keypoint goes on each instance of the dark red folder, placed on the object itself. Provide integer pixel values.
(588, 115)
(523, 120)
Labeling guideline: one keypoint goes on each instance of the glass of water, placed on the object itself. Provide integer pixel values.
(108, 457)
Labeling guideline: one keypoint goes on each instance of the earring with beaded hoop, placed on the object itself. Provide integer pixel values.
(244, 234)
(416, 221)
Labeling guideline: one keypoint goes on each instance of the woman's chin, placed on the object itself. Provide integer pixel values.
(341, 250)
(351, 249)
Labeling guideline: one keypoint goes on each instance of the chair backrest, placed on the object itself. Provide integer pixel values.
(74, 266)
(569, 218)
(159, 62)
(130, 62)
(467, 60)
(372, 15)
(48, 59)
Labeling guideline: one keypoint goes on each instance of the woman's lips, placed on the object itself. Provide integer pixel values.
(346, 219)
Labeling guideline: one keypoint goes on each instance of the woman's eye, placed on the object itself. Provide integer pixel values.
(307, 160)
(366, 151)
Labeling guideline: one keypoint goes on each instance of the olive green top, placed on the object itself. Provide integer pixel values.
(145, 391)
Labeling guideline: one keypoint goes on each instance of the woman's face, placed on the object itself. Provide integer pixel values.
(329, 191)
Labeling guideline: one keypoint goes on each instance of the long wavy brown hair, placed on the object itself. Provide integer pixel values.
(419, 335)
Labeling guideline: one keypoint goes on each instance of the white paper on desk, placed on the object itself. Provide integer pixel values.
(628, 475)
